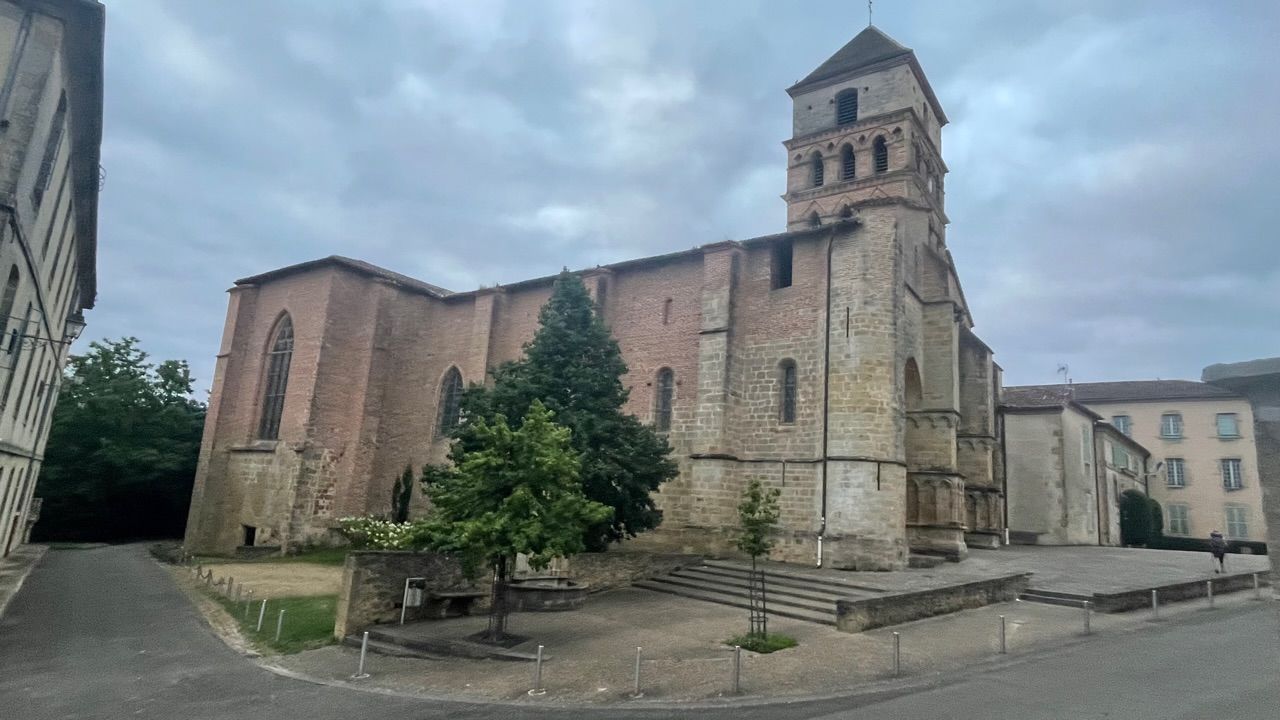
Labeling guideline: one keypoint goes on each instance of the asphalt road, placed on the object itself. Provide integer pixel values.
(104, 633)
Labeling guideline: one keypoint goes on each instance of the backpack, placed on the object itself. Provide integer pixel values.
(1217, 544)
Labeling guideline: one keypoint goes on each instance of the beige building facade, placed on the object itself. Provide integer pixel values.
(50, 133)
(836, 361)
(1204, 458)
(1066, 468)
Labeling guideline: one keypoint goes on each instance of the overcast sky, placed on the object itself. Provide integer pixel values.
(1113, 166)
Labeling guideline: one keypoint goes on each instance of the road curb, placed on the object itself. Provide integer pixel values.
(862, 695)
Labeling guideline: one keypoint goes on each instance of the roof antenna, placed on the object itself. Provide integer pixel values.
(1064, 371)
(869, 12)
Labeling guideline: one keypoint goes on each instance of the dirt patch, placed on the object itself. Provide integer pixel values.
(274, 580)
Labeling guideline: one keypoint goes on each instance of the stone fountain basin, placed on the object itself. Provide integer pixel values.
(550, 593)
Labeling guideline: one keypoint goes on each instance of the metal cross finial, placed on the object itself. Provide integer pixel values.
(869, 12)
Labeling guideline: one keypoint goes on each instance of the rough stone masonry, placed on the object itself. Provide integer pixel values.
(835, 361)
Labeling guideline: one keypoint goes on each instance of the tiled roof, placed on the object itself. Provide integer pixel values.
(359, 266)
(866, 48)
(1127, 390)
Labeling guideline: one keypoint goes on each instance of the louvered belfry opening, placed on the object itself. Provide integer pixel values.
(278, 358)
(848, 167)
(817, 171)
(847, 107)
(881, 151)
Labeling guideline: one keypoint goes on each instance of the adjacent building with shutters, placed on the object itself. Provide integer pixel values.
(1204, 462)
(1067, 468)
(836, 361)
(50, 133)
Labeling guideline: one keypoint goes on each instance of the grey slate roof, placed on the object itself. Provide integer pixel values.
(866, 48)
(1127, 390)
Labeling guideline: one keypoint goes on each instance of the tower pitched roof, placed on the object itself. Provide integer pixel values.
(867, 48)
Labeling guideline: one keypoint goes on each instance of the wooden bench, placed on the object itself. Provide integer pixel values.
(453, 603)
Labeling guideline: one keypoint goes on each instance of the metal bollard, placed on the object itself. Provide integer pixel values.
(1208, 586)
(635, 691)
(1257, 589)
(1155, 604)
(1088, 611)
(537, 688)
(897, 654)
(737, 669)
(364, 649)
(262, 613)
(279, 624)
(1004, 648)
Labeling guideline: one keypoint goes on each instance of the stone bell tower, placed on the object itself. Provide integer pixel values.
(865, 126)
(910, 429)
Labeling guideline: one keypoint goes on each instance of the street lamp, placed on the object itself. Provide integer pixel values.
(71, 329)
(75, 325)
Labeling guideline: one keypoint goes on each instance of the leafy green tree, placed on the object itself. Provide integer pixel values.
(758, 515)
(573, 366)
(122, 447)
(401, 495)
(1157, 519)
(511, 491)
(1135, 518)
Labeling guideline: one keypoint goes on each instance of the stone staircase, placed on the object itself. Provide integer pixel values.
(788, 593)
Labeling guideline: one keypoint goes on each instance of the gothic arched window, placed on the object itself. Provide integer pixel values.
(664, 397)
(880, 151)
(847, 107)
(450, 408)
(279, 353)
(848, 166)
(817, 170)
(814, 219)
(787, 397)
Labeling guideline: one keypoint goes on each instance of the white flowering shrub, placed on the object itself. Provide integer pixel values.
(371, 533)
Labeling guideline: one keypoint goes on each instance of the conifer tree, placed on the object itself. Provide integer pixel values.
(574, 367)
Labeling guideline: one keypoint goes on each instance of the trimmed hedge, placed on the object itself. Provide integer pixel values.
(1202, 545)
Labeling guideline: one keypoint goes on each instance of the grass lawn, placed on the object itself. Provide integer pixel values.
(308, 621)
(318, 556)
(763, 645)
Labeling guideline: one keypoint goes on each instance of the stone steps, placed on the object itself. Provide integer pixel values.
(788, 593)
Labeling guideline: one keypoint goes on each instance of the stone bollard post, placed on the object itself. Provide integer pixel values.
(1208, 588)
(1004, 648)
(537, 688)
(737, 669)
(897, 654)
(635, 691)
(364, 650)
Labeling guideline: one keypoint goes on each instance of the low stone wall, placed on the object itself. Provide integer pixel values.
(874, 612)
(1138, 599)
(373, 581)
(373, 587)
(620, 568)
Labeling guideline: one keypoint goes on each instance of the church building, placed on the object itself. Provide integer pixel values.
(835, 361)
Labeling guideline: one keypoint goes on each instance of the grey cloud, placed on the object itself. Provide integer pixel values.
(1111, 163)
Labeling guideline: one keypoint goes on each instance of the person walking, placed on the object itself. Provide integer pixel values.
(1218, 546)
